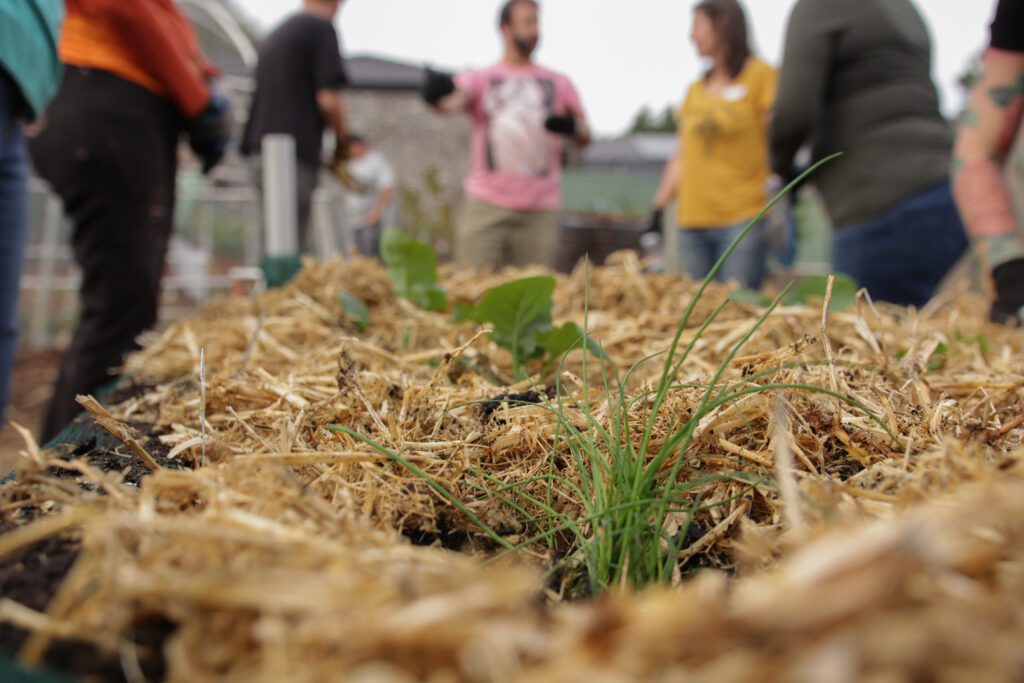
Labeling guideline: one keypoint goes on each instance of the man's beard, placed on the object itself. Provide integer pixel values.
(525, 46)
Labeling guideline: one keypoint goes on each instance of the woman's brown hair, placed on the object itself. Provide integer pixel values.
(731, 27)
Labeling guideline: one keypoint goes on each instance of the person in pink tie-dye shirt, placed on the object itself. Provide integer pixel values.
(522, 114)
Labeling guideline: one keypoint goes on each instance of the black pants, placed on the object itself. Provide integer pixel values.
(109, 152)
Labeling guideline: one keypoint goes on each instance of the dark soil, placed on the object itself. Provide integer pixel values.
(125, 390)
(488, 407)
(450, 538)
(119, 459)
(33, 577)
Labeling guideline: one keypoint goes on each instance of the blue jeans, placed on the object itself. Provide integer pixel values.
(700, 249)
(902, 255)
(13, 229)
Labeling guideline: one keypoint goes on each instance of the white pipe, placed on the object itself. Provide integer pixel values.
(280, 203)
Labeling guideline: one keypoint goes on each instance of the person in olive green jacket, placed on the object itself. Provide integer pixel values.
(856, 79)
(29, 76)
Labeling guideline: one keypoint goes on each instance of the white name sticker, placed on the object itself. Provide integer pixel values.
(734, 92)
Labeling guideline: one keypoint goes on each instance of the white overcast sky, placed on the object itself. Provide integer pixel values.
(620, 55)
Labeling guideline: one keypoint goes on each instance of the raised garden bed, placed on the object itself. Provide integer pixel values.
(388, 495)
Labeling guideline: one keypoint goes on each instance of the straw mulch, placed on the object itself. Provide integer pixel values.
(281, 551)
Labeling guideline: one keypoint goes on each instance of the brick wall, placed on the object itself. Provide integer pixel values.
(418, 142)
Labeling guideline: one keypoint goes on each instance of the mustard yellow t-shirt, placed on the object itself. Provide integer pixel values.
(724, 149)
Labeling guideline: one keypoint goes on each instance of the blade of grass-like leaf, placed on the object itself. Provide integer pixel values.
(669, 360)
(427, 479)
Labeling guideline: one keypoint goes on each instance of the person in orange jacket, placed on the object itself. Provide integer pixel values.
(135, 80)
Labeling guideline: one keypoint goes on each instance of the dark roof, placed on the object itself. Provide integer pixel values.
(367, 72)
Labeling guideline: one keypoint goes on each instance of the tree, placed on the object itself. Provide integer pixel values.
(642, 122)
(646, 121)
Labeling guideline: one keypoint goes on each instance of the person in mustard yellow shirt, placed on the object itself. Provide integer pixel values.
(719, 174)
(134, 82)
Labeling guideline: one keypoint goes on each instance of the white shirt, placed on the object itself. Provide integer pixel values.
(372, 174)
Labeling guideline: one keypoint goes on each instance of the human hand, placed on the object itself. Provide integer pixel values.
(561, 125)
(656, 222)
(436, 86)
(210, 132)
(1008, 306)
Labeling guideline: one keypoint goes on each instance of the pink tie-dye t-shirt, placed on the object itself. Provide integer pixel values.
(516, 162)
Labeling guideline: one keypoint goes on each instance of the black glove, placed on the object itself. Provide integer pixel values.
(1009, 281)
(656, 223)
(436, 86)
(793, 174)
(561, 125)
(210, 132)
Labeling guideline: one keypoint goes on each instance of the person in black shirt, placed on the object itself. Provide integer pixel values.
(299, 82)
(985, 138)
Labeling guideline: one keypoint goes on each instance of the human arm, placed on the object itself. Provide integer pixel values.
(332, 107)
(666, 191)
(985, 135)
(669, 182)
(454, 103)
(380, 205)
(802, 81)
(330, 78)
(571, 121)
(440, 91)
(572, 124)
(162, 42)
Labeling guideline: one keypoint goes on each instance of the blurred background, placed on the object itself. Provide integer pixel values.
(631, 65)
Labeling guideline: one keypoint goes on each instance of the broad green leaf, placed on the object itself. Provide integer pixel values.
(519, 311)
(355, 310)
(560, 340)
(844, 291)
(412, 267)
(430, 298)
(463, 313)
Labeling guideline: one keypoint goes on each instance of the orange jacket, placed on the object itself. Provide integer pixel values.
(147, 42)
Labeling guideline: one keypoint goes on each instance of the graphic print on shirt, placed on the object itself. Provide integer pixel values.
(517, 141)
(709, 129)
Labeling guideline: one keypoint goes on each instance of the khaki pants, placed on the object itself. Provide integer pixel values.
(490, 236)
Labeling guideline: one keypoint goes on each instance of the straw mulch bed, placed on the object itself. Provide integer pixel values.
(281, 550)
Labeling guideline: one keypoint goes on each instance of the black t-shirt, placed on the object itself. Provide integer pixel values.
(299, 58)
(1008, 27)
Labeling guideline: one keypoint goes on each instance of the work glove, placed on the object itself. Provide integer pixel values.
(561, 125)
(210, 132)
(793, 174)
(655, 222)
(1009, 302)
(339, 165)
(436, 86)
